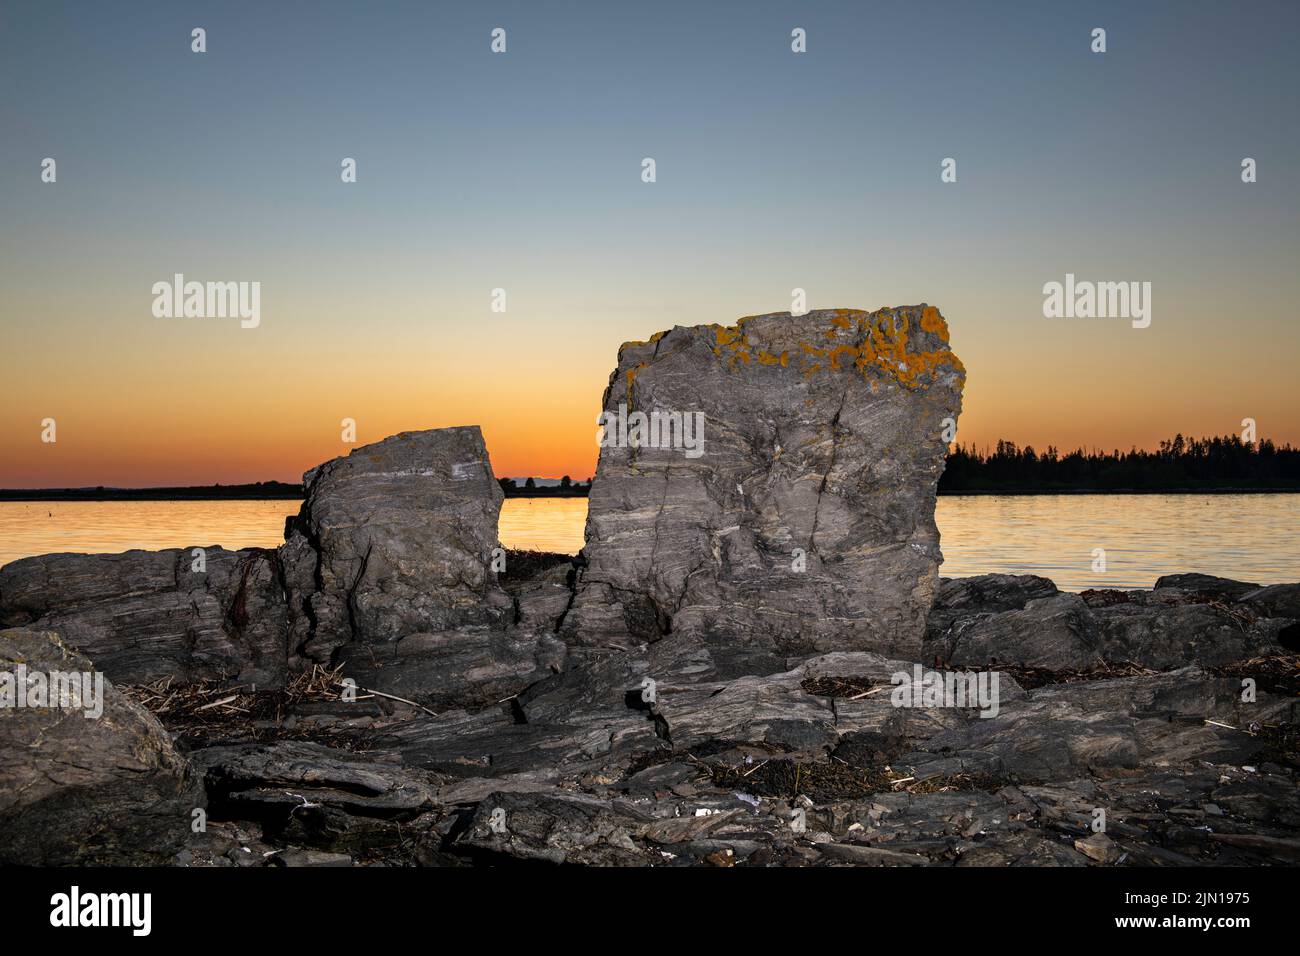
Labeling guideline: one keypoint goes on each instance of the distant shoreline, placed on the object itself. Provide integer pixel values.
(259, 491)
(278, 491)
(577, 491)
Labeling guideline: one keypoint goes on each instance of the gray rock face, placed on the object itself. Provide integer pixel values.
(396, 539)
(556, 828)
(1224, 588)
(143, 615)
(1061, 731)
(959, 598)
(715, 771)
(991, 592)
(1156, 629)
(390, 573)
(1056, 633)
(305, 793)
(469, 667)
(995, 619)
(805, 519)
(78, 789)
(280, 774)
(1277, 600)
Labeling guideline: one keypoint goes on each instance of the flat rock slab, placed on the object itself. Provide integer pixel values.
(290, 774)
(1022, 620)
(782, 490)
(187, 613)
(307, 794)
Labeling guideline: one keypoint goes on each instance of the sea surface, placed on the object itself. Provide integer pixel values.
(1249, 537)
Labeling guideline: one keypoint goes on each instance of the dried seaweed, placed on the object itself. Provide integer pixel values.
(215, 710)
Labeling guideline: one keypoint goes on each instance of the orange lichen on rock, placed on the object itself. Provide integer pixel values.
(881, 349)
(631, 380)
(933, 321)
(652, 340)
(843, 350)
(729, 337)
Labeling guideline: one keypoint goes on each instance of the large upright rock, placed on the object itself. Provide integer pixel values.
(85, 778)
(389, 568)
(805, 520)
(187, 613)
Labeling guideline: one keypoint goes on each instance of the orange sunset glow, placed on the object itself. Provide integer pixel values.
(201, 404)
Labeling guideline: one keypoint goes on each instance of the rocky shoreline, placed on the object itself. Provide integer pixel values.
(752, 663)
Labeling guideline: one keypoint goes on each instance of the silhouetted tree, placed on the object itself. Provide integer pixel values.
(1178, 464)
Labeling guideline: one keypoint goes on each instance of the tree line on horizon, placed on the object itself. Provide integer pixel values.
(567, 488)
(1179, 463)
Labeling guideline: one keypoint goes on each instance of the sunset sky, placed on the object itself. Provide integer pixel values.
(522, 171)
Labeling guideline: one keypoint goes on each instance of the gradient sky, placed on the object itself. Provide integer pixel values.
(522, 171)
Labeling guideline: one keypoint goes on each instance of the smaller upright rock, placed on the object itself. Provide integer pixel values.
(393, 540)
(392, 567)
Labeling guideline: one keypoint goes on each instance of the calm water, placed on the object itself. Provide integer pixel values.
(43, 527)
(1252, 537)
(543, 524)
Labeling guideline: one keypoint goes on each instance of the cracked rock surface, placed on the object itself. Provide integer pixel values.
(389, 571)
(806, 520)
(395, 539)
(739, 760)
